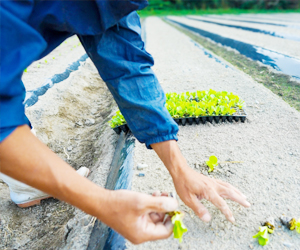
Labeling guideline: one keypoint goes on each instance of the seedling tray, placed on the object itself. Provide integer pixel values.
(239, 115)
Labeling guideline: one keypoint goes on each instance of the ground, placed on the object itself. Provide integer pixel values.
(71, 118)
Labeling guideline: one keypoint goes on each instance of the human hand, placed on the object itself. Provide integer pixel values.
(193, 187)
(139, 217)
(158, 217)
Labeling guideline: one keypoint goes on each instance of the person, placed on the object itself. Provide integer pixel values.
(110, 32)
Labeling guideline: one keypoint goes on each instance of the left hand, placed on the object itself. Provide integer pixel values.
(192, 186)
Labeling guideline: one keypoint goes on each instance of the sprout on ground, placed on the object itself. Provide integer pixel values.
(212, 163)
(270, 223)
(179, 228)
(291, 223)
(297, 226)
(263, 236)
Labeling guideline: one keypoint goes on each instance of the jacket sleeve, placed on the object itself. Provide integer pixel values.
(125, 66)
(20, 44)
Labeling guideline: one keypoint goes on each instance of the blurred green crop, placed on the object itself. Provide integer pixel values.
(184, 7)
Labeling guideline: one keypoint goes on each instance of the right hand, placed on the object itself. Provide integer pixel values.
(138, 217)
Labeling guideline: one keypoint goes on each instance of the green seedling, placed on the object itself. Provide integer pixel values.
(117, 120)
(25, 70)
(199, 112)
(194, 95)
(179, 228)
(46, 61)
(270, 223)
(199, 103)
(212, 163)
(297, 226)
(263, 236)
(291, 223)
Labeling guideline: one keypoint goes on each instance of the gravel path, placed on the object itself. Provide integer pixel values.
(267, 146)
(281, 45)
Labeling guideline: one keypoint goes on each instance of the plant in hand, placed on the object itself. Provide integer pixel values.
(179, 228)
(212, 163)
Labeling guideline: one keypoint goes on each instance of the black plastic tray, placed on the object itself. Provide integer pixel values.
(239, 115)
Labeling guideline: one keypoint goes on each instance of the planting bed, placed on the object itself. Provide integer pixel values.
(260, 157)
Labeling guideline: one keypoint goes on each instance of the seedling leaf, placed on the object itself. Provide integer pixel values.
(297, 226)
(263, 236)
(212, 163)
(179, 228)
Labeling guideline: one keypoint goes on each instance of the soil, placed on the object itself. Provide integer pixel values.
(71, 119)
(283, 85)
(260, 157)
(284, 46)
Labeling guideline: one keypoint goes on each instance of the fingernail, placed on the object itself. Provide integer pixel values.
(156, 193)
(206, 217)
(169, 225)
(247, 204)
(171, 204)
(231, 219)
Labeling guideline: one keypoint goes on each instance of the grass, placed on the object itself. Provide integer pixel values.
(152, 12)
(279, 84)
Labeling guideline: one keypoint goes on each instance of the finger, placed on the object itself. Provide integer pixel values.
(200, 210)
(160, 230)
(161, 204)
(234, 196)
(156, 193)
(157, 217)
(232, 187)
(232, 193)
(222, 205)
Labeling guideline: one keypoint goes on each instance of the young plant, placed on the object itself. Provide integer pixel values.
(240, 104)
(263, 236)
(199, 112)
(291, 223)
(212, 163)
(117, 120)
(179, 228)
(297, 226)
(190, 111)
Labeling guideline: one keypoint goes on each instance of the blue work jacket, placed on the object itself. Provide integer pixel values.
(110, 32)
